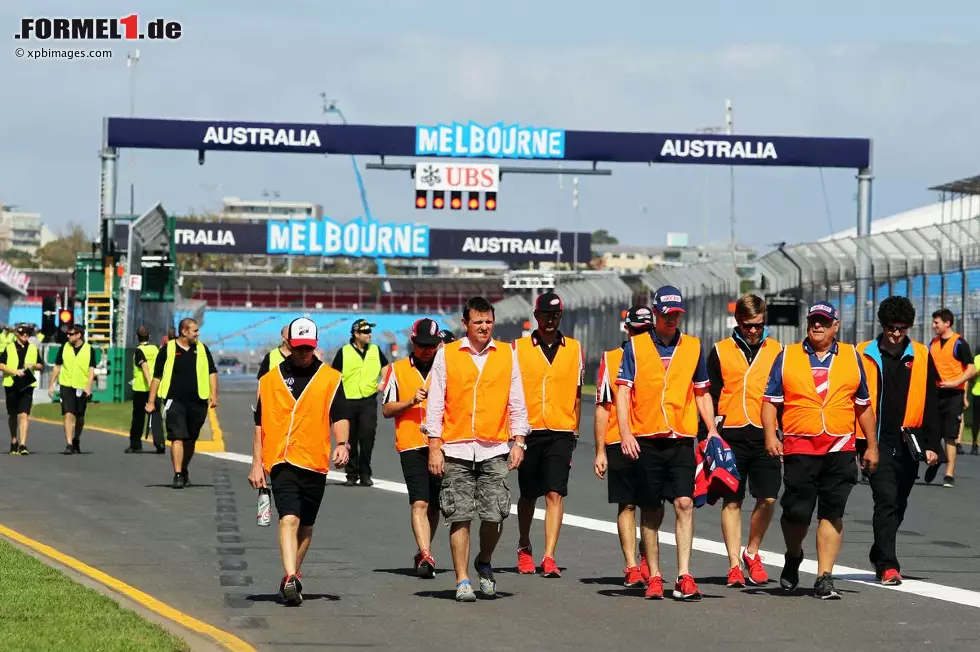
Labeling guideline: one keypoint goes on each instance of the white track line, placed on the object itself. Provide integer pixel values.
(952, 594)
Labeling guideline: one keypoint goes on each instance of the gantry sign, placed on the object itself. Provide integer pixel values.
(500, 141)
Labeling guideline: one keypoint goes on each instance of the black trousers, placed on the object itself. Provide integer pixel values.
(891, 485)
(136, 428)
(363, 429)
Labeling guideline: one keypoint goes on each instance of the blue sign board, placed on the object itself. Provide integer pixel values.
(470, 140)
(354, 239)
(496, 141)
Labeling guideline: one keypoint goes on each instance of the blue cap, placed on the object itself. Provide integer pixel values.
(822, 309)
(668, 299)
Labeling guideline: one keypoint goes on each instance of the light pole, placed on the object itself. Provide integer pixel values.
(575, 235)
(131, 61)
(330, 106)
(704, 194)
(730, 127)
(270, 195)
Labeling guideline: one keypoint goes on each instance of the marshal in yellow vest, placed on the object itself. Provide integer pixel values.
(75, 366)
(151, 351)
(360, 375)
(203, 382)
(13, 362)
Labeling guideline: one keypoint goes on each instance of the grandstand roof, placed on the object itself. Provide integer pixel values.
(970, 186)
(952, 210)
(466, 285)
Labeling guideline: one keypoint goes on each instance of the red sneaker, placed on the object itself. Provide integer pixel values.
(686, 589)
(549, 568)
(891, 577)
(634, 578)
(525, 562)
(736, 579)
(757, 572)
(655, 588)
(425, 565)
(644, 568)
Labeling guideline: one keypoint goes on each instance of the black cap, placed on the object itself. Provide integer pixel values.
(447, 336)
(24, 329)
(425, 332)
(639, 317)
(548, 302)
(361, 325)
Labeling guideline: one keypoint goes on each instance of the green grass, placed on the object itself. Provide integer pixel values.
(42, 609)
(114, 416)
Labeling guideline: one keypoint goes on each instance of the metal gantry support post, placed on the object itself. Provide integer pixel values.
(108, 178)
(861, 282)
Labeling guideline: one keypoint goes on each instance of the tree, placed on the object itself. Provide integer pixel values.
(602, 236)
(61, 252)
(19, 259)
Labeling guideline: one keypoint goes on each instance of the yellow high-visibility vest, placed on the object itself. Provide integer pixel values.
(74, 370)
(151, 351)
(360, 375)
(13, 362)
(203, 384)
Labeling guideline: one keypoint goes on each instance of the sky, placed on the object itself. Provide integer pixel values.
(901, 73)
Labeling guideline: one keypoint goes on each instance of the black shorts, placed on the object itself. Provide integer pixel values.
(950, 415)
(547, 463)
(71, 403)
(184, 419)
(421, 484)
(821, 481)
(19, 401)
(756, 468)
(627, 483)
(297, 492)
(668, 468)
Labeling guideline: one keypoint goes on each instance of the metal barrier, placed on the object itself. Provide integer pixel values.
(935, 266)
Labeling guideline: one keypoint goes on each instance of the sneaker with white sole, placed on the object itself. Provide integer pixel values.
(464, 592)
(488, 585)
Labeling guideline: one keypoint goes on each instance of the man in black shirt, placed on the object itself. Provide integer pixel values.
(738, 369)
(20, 362)
(186, 380)
(903, 383)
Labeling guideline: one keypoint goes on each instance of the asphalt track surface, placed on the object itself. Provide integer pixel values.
(200, 551)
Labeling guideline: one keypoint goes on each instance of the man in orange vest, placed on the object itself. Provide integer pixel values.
(404, 394)
(954, 362)
(738, 368)
(904, 388)
(552, 372)
(291, 444)
(627, 486)
(476, 407)
(663, 388)
(824, 391)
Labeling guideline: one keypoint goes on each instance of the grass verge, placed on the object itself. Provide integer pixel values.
(45, 610)
(112, 416)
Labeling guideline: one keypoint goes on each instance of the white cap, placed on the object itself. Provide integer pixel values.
(302, 332)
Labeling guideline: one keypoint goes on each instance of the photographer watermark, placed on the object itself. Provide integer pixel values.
(56, 53)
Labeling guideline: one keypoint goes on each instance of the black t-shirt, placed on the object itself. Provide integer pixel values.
(338, 360)
(139, 358)
(297, 378)
(718, 382)
(61, 355)
(893, 391)
(183, 385)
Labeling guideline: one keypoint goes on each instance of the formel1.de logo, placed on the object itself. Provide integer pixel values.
(128, 28)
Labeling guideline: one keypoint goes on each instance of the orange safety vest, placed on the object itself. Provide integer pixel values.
(297, 431)
(611, 360)
(662, 401)
(743, 384)
(408, 424)
(476, 400)
(949, 368)
(550, 389)
(915, 405)
(804, 414)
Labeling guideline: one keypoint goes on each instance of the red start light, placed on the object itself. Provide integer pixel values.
(474, 204)
(438, 202)
(491, 204)
(65, 316)
(455, 203)
(420, 202)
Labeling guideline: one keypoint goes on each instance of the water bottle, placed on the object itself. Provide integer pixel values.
(265, 507)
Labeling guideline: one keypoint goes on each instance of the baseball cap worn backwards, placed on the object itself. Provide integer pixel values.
(425, 332)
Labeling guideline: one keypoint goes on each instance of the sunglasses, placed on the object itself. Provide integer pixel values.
(365, 331)
(752, 327)
(895, 328)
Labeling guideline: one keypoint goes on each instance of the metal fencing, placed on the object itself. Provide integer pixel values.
(592, 314)
(935, 266)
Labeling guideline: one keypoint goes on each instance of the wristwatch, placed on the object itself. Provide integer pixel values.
(344, 443)
(521, 445)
